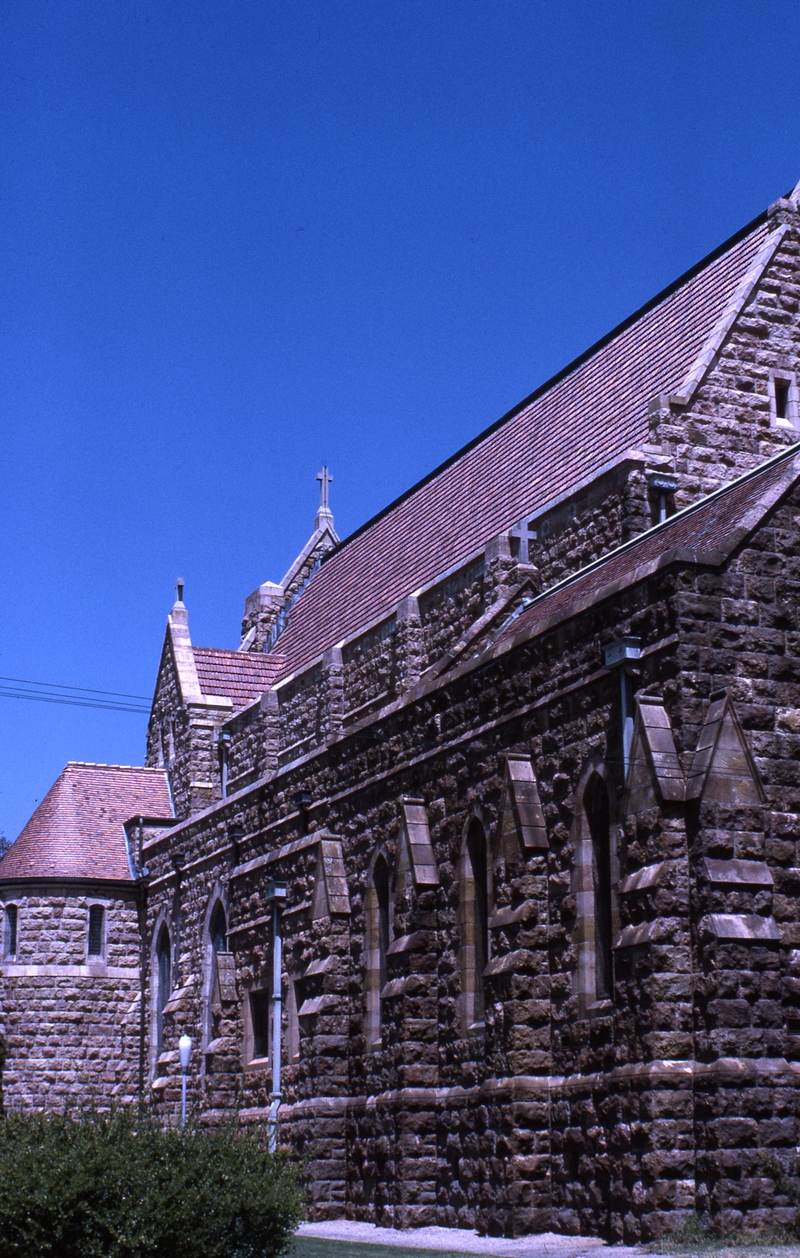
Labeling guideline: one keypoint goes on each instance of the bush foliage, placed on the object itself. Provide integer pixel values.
(118, 1186)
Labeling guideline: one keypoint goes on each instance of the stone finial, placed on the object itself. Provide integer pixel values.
(179, 587)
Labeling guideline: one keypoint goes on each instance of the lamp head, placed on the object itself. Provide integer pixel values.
(185, 1050)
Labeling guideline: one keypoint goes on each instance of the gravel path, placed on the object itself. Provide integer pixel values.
(327, 1240)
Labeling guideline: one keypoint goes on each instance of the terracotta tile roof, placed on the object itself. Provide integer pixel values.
(716, 524)
(240, 675)
(76, 832)
(594, 410)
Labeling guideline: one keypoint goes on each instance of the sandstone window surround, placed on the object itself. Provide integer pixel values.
(257, 1027)
(594, 881)
(475, 902)
(379, 913)
(783, 399)
(216, 942)
(10, 933)
(96, 934)
(256, 1014)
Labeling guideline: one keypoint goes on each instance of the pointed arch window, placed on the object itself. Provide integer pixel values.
(597, 809)
(379, 927)
(474, 922)
(218, 942)
(163, 983)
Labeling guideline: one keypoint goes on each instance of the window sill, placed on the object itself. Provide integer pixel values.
(259, 1064)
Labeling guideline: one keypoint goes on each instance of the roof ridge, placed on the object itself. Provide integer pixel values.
(663, 525)
(555, 379)
(227, 650)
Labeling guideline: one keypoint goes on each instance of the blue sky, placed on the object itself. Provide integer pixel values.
(241, 239)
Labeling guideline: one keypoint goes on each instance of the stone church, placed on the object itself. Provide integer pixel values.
(476, 866)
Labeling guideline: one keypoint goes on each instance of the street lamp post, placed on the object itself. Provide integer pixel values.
(275, 893)
(185, 1050)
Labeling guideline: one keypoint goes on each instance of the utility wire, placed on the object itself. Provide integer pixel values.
(72, 696)
(53, 685)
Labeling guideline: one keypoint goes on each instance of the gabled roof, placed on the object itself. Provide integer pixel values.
(77, 830)
(239, 675)
(592, 412)
(707, 531)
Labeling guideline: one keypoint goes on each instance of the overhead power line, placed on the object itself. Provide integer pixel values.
(73, 696)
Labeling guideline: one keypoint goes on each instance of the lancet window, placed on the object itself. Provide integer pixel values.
(474, 923)
(379, 926)
(163, 983)
(596, 805)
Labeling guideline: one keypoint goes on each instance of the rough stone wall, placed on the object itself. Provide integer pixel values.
(393, 1145)
(449, 608)
(673, 1092)
(254, 738)
(303, 705)
(616, 1115)
(370, 667)
(612, 510)
(71, 1021)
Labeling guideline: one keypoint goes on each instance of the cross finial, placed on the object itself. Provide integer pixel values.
(526, 535)
(324, 477)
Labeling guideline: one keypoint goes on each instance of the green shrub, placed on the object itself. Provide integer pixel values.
(118, 1186)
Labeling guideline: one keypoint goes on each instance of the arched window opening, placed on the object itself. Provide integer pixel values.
(164, 981)
(218, 942)
(474, 921)
(381, 881)
(11, 930)
(598, 818)
(379, 928)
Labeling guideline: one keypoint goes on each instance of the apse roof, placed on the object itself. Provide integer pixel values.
(77, 830)
(590, 413)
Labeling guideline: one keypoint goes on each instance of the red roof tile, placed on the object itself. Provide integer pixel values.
(592, 412)
(714, 524)
(77, 830)
(239, 675)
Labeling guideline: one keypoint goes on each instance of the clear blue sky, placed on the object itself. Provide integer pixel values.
(238, 239)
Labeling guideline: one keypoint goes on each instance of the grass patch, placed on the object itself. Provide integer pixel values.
(316, 1247)
(698, 1236)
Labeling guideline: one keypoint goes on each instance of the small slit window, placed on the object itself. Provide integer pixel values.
(11, 930)
(259, 1022)
(96, 930)
(784, 401)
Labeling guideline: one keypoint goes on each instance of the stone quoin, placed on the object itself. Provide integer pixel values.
(524, 751)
